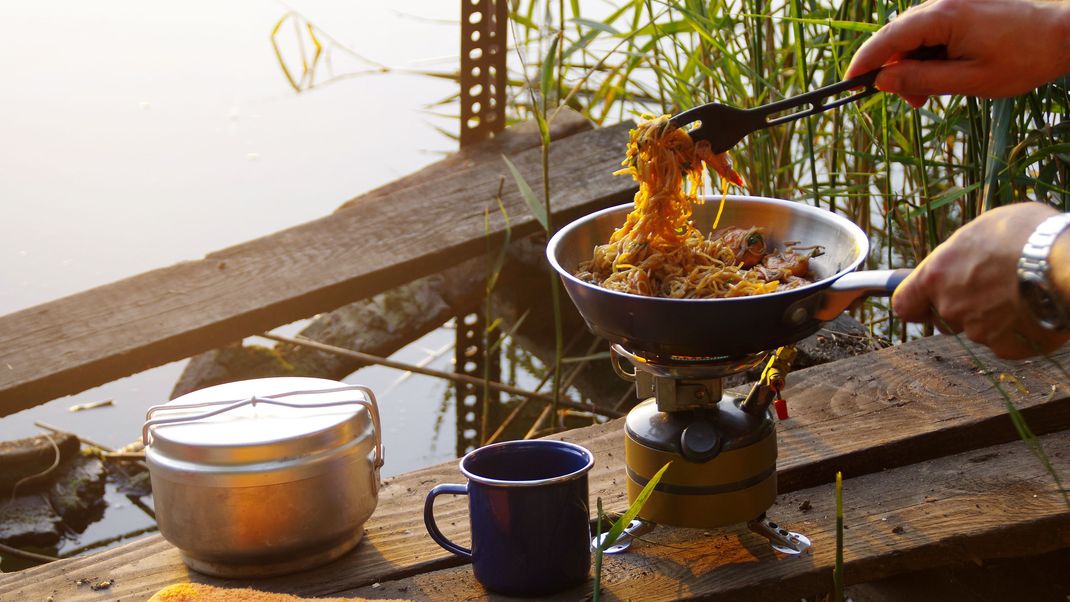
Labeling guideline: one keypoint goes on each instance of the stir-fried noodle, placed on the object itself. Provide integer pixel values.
(659, 251)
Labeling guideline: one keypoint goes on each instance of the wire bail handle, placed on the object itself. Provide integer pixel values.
(369, 402)
(616, 353)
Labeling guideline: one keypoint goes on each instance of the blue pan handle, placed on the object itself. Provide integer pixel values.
(857, 285)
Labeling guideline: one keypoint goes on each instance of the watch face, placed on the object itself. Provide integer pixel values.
(1042, 303)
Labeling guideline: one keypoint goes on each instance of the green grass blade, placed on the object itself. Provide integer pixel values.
(596, 25)
(837, 572)
(633, 510)
(546, 78)
(998, 143)
(499, 260)
(948, 196)
(534, 204)
(857, 26)
(598, 553)
(524, 20)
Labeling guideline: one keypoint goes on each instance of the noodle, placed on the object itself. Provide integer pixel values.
(659, 252)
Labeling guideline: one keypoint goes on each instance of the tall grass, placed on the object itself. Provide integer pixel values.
(907, 177)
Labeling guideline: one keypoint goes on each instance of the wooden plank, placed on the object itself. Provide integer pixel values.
(383, 239)
(830, 426)
(929, 393)
(1034, 577)
(993, 503)
(513, 140)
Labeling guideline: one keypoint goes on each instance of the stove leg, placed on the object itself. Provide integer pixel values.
(637, 528)
(782, 540)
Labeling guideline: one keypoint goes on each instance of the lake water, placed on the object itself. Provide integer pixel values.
(137, 135)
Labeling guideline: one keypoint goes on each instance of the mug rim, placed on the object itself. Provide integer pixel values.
(531, 483)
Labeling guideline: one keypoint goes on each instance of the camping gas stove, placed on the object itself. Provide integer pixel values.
(722, 447)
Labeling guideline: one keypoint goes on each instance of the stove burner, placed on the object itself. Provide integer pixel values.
(680, 383)
(708, 364)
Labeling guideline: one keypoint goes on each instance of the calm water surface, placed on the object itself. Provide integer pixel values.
(140, 134)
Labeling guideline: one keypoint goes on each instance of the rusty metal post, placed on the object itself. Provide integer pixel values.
(470, 359)
(483, 51)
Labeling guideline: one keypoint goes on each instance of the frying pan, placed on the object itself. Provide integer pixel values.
(663, 328)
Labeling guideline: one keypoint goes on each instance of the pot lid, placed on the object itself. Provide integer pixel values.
(260, 420)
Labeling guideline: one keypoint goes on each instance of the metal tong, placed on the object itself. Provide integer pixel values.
(723, 126)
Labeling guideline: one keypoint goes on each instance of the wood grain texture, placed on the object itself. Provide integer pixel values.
(855, 424)
(381, 240)
(952, 510)
(513, 140)
(910, 403)
(1036, 577)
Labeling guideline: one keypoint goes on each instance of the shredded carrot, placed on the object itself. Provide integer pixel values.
(658, 250)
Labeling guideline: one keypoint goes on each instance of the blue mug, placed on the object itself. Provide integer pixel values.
(529, 515)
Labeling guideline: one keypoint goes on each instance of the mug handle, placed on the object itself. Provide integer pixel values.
(429, 518)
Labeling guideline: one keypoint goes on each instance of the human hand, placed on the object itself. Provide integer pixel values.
(971, 281)
(996, 48)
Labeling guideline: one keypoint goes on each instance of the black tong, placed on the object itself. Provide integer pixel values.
(723, 126)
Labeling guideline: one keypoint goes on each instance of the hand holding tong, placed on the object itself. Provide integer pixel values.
(723, 126)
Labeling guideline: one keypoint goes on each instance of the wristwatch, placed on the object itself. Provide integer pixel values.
(1034, 275)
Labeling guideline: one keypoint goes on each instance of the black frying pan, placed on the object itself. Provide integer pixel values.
(662, 328)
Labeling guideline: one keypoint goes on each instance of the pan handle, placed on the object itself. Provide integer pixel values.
(856, 285)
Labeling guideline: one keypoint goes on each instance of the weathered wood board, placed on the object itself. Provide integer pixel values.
(929, 393)
(995, 502)
(381, 240)
(860, 415)
(1036, 577)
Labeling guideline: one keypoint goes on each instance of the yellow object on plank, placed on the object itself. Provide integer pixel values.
(197, 592)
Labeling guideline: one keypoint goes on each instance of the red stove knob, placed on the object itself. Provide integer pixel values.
(781, 407)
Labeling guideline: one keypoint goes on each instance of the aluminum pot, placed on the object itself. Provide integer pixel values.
(667, 328)
(267, 476)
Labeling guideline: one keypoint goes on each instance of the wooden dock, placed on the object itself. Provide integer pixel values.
(410, 228)
(935, 475)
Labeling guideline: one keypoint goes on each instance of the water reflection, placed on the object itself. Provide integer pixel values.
(151, 134)
(148, 135)
(314, 49)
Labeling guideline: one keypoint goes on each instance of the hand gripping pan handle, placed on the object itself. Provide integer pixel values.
(856, 286)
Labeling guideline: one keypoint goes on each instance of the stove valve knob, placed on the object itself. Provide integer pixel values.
(781, 407)
(699, 442)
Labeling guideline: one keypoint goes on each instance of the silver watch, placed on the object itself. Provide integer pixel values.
(1034, 274)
